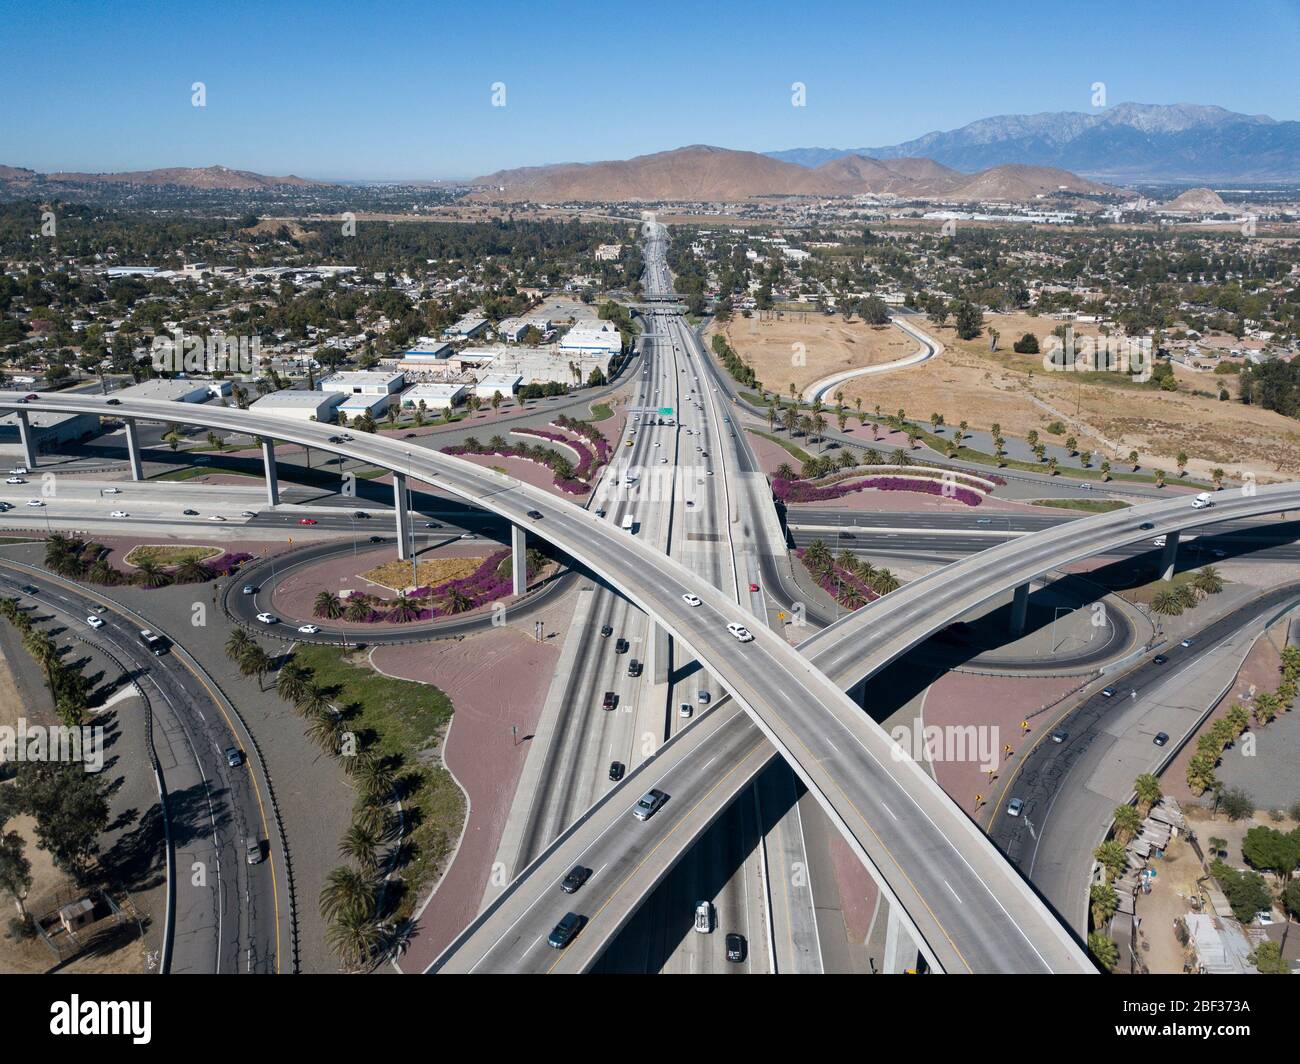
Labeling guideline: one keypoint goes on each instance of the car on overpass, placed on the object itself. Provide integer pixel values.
(649, 804)
(562, 934)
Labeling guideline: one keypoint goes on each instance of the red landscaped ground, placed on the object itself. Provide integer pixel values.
(999, 702)
(495, 679)
(295, 593)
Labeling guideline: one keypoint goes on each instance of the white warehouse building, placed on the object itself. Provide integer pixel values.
(300, 405)
(435, 396)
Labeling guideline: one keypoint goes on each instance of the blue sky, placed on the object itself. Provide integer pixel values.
(403, 90)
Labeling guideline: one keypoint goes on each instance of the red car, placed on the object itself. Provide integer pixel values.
(753, 586)
(307, 521)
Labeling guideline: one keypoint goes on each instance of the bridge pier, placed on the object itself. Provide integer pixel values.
(402, 507)
(268, 462)
(1169, 556)
(657, 655)
(133, 449)
(26, 439)
(1019, 609)
(901, 951)
(519, 558)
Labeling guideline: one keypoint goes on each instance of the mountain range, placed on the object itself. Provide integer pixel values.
(206, 177)
(703, 173)
(1130, 142)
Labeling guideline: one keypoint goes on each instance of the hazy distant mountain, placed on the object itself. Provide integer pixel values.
(704, 173)
(208, 177)
(1198, 200)
(1127, 142)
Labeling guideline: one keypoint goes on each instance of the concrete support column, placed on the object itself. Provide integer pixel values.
(402, 507)
(519, 558)
(133, 449)
(1019, 609)
(268, 461)
(27, 440)
(657, 653)
(901, 952)
(1169, 556)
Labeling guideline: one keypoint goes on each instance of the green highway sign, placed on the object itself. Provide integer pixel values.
(665, 411)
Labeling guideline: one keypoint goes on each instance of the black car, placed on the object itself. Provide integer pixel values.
(616, 770)
(27, 589)
(1146, 526)
(634, 667)
(361, 514)
(376, 539)
(569, 925)
(432, 524)
(735, 947)
(536, 515)
(1060, 736)
(190, 513)
(1159, 659)
(577, 877)
(1161, 738)
(115, 402)
(609, 701)
(606, 630)
(621, 646)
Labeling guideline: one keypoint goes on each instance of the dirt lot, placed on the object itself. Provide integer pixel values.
(969, 382)
(830, 345)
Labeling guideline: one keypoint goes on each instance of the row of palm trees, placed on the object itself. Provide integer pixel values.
(824, 566)
(1171, 601)
(350, 900)
(1227, 729)
(1112, 856)
(69, 688)
(79, 560)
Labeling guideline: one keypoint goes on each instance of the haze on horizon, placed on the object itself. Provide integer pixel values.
(406, 93)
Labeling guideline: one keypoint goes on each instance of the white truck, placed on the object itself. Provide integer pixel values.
(1202, 501)
(629, 523)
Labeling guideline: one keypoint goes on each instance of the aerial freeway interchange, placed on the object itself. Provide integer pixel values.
(963, 906)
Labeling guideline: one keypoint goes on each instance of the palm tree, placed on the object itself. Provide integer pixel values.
(1104, 902)
(1147, 789)
(362, 847)
(1133, 460)
(256, 662)
(347, 891)
(327, 604)
(1207, 581)
(1217, 475)
(818, 555)
(358, 609)
(1160, 478)
(325, 730)
(457, 601)
(1200, 774)
(1105, 470)
(1103, 949)
(1112, 857)
(291, 681)
(1166, 603)
(238, 645)
(192, 571)
(148, 573)
(312, 701)
(1266, 708)
(375, 778)
(403, 609)
(884, 582)
(1127, 823)
(371, 817)
(785, 471)
(354, 938)
(1181, 459)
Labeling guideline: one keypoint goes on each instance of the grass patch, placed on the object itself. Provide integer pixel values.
(1094, 506)
(190, 472)
(397, 575)
(601, 411)
(169, 554)
(797, 453)
(402, 721)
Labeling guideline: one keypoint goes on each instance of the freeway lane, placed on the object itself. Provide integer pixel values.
(947, 878)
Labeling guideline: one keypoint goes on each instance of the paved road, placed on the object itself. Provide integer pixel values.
(226, 916)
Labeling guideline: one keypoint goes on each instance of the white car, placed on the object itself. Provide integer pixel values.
(95, 622)
(35, 502)
(112, 491)
(248, 513)
(119, 513)
(15, 480)
(309, 629)
(690, 599)
(268, 618)
(741, 632)
(19, 470)
(216, 517)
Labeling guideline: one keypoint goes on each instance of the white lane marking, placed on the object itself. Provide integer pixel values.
(953, 892)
